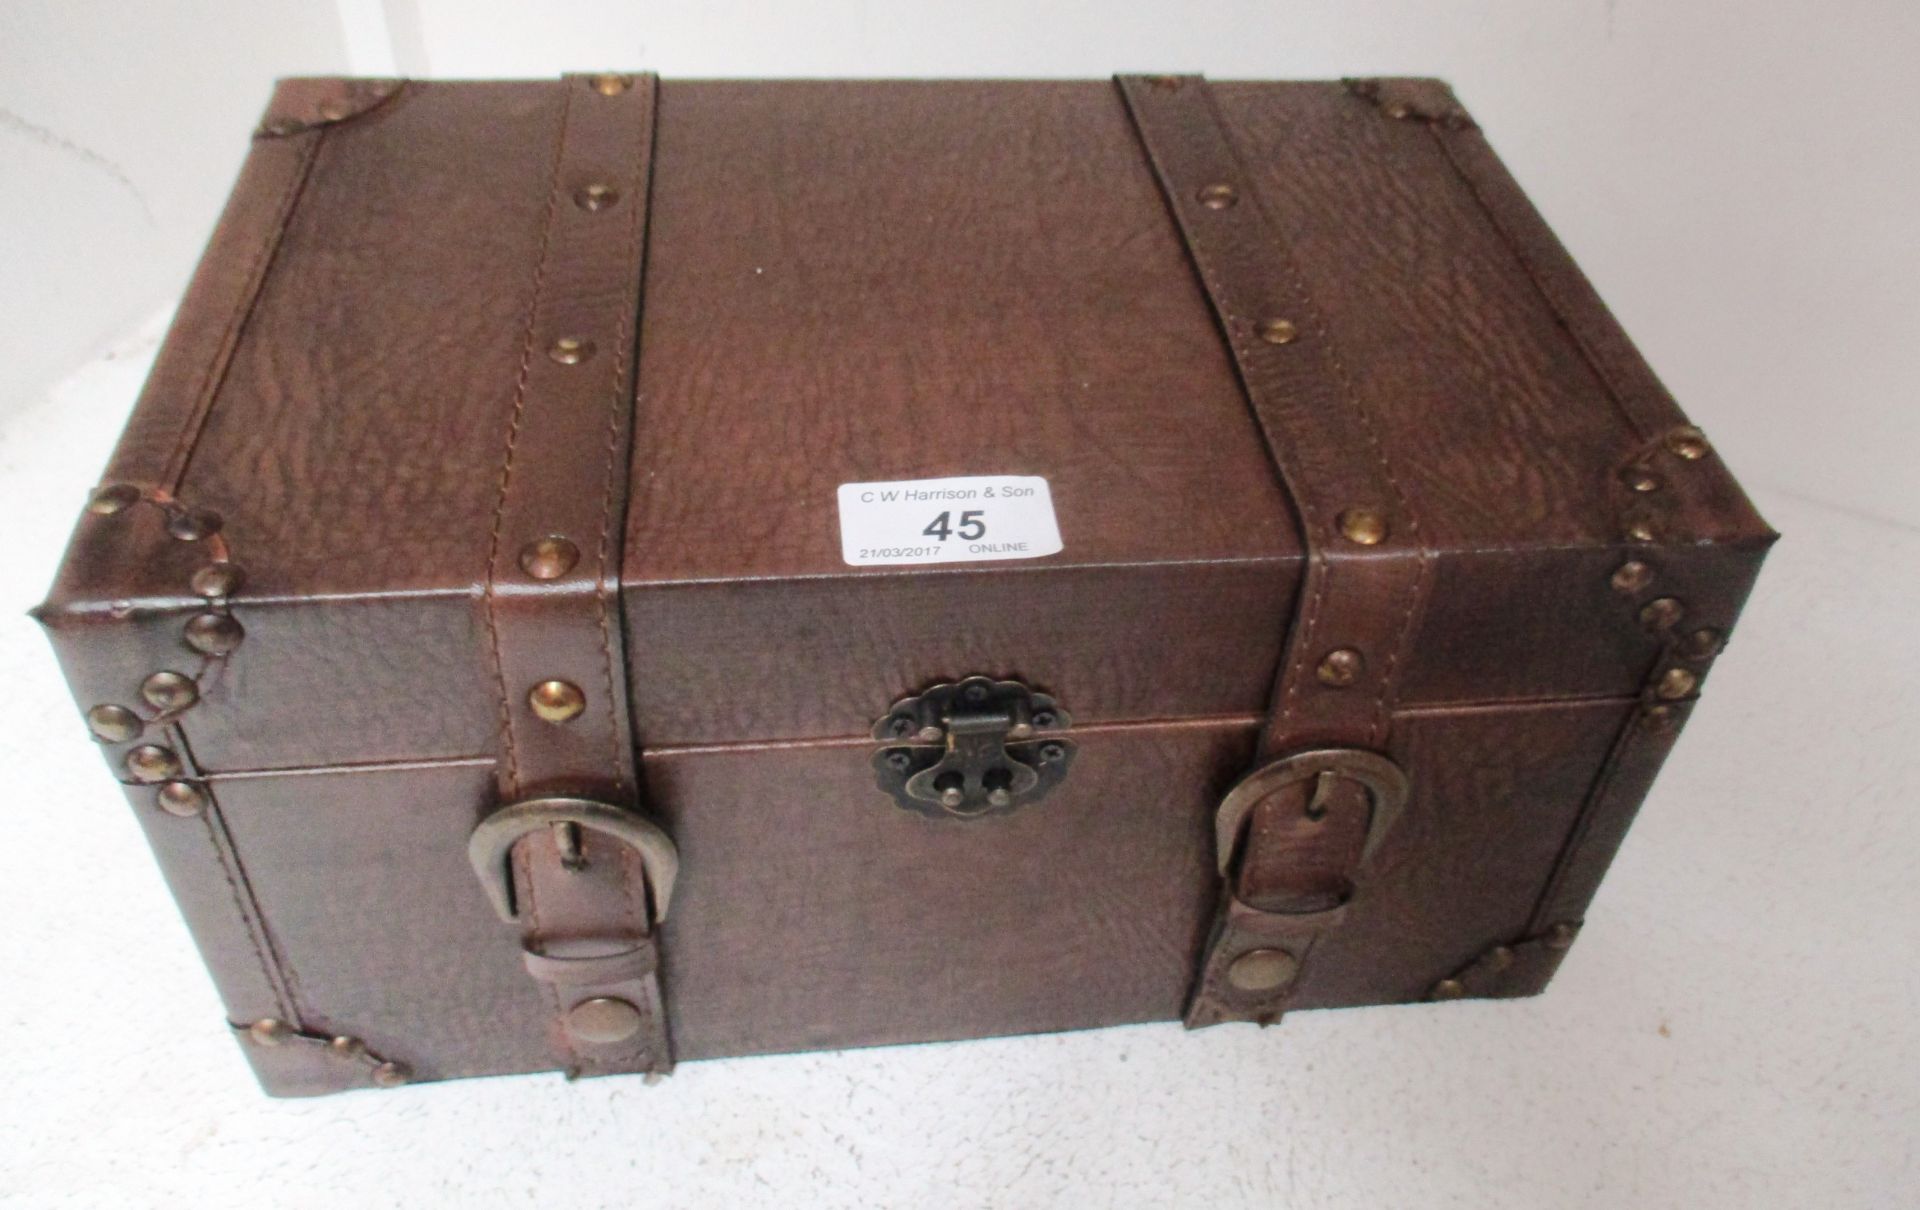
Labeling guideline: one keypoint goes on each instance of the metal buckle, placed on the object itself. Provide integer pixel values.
(972, 748)
(494, 837)
(1385, 784)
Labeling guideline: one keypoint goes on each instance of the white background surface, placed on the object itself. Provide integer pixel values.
(1736, 1026)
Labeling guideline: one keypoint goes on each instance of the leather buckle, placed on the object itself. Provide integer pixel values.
(492, 841)
(1383, 780)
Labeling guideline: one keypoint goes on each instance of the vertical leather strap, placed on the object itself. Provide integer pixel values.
(586, 900)
(1309, 815)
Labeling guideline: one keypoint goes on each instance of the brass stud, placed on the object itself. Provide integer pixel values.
(270, 1031)
(1363, 526)
(169, 691)
(181, 798)
(1277, 331)
(1632, 576)
(347, 1046)
(113, 498)
(193, 524)
(1702, 644)
(595, 196)
(557, 701)
(1689, 443)
(282, 127)
(930, 734)
(112, 724)
(213, 633)
(952, 797)
(1218, 196)
(391, 1075)
(610, 84)
(548, 558)
(1448, 989)
(150, 763)
(1498, 958)
(1560, 936)
(1662, 613)
(1659, 719)
(333, 110)
(1399, 110)
(1642, 530)
(217, 580)
(1263, 970)
(603, 1020)
(1641, 480)
(1675, 684)
(1341, 668)
(570, 350)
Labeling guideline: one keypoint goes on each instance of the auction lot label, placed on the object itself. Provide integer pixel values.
(969, 519)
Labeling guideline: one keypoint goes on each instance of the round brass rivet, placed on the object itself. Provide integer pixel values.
(217, 580)
(1643, 481)
(281, 127)
(194, 524)
(548, 558)
(952, 797)
(270, 1031)
(930, 734)
(1658, 719)
(112, 724)
(1642, 531)
(1676, 683)
(181, 798)
(1278, 331)
(570, 350)
(1399, 109)
(595, 197)
(391, 1075)
(115, 497)
(1560, 936)
(151, 763)
(213, 633)
(347, 1045)
(1218, 196)
(1363, 526)
(1262, 970)
(1341, 667)
(1689, 443)
(1499, 958)
(1448, 989)
(557, 701)
(1632, 576)
(333, 111)
(603, 1020)
(1661, 613)
(610, 85)
(169, 691)
(1702, 643)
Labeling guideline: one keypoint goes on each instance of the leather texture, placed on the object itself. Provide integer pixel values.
(806, 283)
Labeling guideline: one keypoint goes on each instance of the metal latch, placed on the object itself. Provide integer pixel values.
(975, 747)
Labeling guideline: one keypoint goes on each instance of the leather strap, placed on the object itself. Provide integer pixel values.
(582, 895)
(1300, 859)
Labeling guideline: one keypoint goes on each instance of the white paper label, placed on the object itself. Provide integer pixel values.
(961, 520)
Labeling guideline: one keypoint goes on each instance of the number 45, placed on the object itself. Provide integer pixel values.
(972, 528)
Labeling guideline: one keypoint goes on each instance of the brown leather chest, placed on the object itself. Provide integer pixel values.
(608, 571)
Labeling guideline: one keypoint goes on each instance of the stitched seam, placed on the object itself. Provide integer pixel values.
(513, 439)
(214, 373)
(247, 924)
(1531, 269)
(523, 875)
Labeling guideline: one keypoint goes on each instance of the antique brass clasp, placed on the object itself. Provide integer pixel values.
(975, 747)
